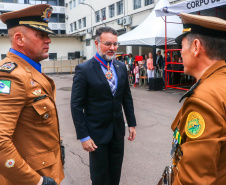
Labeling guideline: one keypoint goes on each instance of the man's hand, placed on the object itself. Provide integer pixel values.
(48, 181)
(132, 133)
(89, 145)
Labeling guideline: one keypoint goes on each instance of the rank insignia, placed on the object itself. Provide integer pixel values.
(32, 82)
(5, 86)
(195, 125)
(108, 75)
(47, 14)
(8, 67)
(9, 163)
(37, 92)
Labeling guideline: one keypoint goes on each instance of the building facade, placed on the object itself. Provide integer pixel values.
(63, 46)
(75, 23)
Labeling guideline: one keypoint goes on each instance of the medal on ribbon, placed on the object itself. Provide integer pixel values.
(108, 73)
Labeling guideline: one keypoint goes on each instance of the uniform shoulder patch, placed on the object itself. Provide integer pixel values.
(5, 86)
(195, 125)
(8, 67)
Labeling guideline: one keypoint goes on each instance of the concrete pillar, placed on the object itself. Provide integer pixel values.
(128, 48)
(140, 50)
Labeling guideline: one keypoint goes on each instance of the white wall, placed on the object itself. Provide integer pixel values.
(61, 46)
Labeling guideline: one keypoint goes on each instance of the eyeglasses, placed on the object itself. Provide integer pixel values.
(109, 44)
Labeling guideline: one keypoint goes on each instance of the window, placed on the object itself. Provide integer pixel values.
(62, 18)
(52, 2)
(70, 5)
(74, 3)
(148, 2)
(111, 10)
(97, 15)
(71, 26)
(3, 56)
(103, 14)
(84, 22)
(61, 2)
(53, 18)
(119, 7)
(52, 56)
(79, 24)
(137, 4)
(87, 42)
(80, 1)
(75, 25)
(71, 56)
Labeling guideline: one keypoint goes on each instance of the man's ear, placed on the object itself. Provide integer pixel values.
(19, 38)
(196, 47)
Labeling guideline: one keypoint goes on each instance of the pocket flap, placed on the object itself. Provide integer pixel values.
(41, 161)
(43, 106)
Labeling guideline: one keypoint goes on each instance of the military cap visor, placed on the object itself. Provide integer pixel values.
(36, 17)
(203, 25)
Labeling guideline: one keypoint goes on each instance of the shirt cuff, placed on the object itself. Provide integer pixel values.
(85, 139)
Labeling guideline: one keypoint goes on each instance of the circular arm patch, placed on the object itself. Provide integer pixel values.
(195, 125)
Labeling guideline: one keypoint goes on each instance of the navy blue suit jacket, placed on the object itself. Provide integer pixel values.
(95, 111)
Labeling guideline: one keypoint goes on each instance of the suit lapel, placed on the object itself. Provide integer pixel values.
(97, 68)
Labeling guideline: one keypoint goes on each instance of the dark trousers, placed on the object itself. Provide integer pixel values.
(106, 163)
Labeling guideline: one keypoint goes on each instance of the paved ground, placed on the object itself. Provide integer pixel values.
(145, 157)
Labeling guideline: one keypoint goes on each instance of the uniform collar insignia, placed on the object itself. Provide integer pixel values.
(190, 91)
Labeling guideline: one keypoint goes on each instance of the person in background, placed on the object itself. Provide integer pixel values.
(131, 67)
(30, 149)
(158, 63)
(130, 59)
(177, 67)
(136, 72)
(127, 67)
(168, 67)
(145, 62)
(150, 67)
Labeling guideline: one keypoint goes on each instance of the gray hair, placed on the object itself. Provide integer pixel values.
(215, 47)
(106, 29)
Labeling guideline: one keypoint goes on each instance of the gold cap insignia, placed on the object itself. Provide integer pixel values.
(46, 14)
(186, 30)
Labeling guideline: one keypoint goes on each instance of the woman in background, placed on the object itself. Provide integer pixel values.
(136, 72)
(150, 67)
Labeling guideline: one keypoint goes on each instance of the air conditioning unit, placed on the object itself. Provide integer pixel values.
(120, 21)
(127, 20)
(89, 30)
(66, 16)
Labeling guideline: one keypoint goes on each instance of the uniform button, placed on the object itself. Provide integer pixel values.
(45, 107)
(46, 116)
(43, 163)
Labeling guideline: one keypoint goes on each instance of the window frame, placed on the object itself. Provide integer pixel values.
(119, 5)
(111, 10)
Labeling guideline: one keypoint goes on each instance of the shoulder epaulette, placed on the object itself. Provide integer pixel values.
(8, 67)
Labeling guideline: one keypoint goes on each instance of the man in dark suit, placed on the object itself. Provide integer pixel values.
(100, 90)
(159, 61)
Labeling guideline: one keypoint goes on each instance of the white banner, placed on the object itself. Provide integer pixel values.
(188, 7)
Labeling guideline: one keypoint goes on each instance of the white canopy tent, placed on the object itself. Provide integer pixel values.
(188, 7)
(151, 32)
